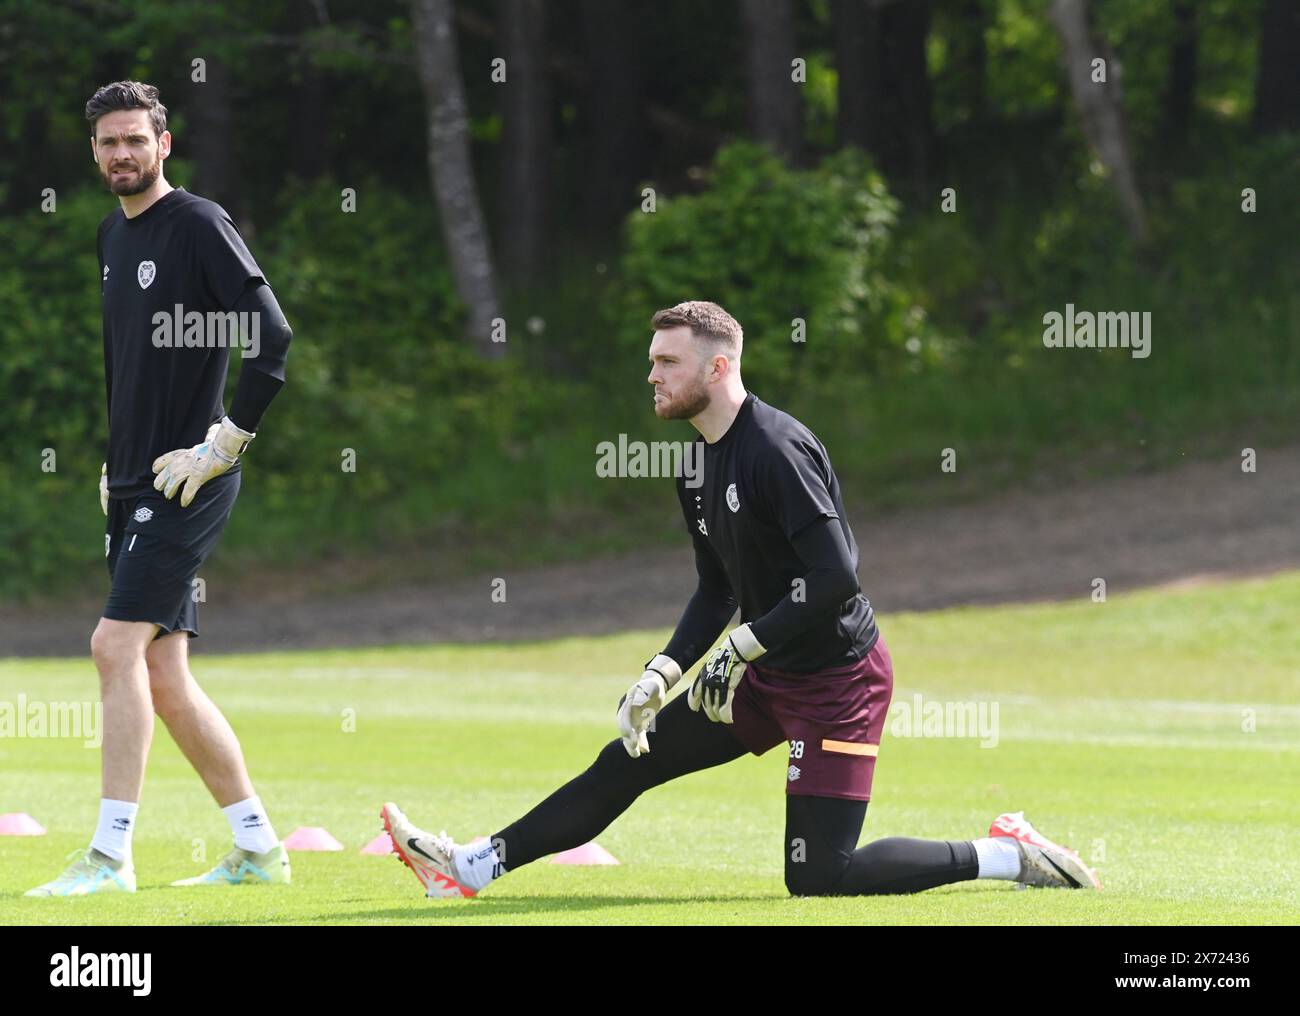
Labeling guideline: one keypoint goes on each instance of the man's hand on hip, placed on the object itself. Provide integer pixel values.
(195, 466)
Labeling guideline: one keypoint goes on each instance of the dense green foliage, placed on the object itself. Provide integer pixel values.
(921, 328)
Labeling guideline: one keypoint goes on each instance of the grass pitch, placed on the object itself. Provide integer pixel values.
(1159, 733)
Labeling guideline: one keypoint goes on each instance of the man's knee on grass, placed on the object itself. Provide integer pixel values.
(815, 874)
(821, 834)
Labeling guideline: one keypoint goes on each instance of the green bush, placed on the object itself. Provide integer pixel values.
(772, 244)
(52, 377)
(924, 331)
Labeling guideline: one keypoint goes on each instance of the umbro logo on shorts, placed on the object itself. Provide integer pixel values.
(793, 773)
(143, 514)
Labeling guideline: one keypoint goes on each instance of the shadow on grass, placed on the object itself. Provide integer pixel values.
(422, 911)
(427, 910)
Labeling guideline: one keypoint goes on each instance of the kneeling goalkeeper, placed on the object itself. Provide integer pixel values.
(807, 668)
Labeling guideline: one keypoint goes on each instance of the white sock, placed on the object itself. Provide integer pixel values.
(999, 857)
(476, 865)
(116, 824)
(251, 826)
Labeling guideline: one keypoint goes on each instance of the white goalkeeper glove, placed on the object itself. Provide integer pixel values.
(103, 487)
(195, 466)
(637, 709)
(715, 685)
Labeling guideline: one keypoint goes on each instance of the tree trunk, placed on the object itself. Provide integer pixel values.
(1180, 93)
(905, 28)
(857, 67)
(1100, 106)
(1277, 95)
(211, 140)
(451, 173)
(892, 83)
(970, 54)
(775, 101)
(312, 146)
(617, 124)
(525, 137)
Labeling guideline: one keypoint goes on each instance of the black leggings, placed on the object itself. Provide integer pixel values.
(821, 833)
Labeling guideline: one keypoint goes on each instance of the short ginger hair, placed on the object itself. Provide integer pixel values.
(705, 320)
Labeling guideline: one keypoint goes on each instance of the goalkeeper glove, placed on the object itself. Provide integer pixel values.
(195, 466)
(637, 709)
(715, 685)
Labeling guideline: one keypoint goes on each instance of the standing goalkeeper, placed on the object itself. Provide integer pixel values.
(177, 281)
(807, 667)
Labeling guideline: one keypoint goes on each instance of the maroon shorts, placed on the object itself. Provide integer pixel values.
(831, 720)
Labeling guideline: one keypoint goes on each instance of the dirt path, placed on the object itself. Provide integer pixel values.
(1201, 521)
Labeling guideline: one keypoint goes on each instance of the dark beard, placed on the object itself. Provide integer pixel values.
(146, 179)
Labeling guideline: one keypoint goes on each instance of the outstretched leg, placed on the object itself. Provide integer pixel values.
(681, 742)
